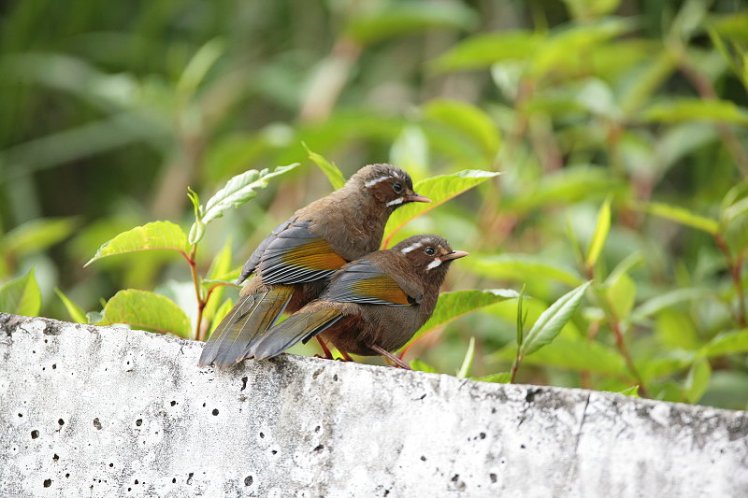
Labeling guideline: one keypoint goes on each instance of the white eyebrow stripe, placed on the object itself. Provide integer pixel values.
(434, 264)
(373, 182)
(395, 202)
(412, 247)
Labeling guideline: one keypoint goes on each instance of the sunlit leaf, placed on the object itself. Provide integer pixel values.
(240, 189)
(697, 380)
(577, 354)
(75, 311)
(520, 267)
(21, 296)
(407, 18)
(439, 189)
(483, 50)
(37, 235)
(146, 310)
(632, 391)
(550, 323)
(734, 342)
(720, 111)
(601, 234)
(468, 120)
(157, 235)
(331, 171)
(683, 216)
(621, 293)
(198, 67)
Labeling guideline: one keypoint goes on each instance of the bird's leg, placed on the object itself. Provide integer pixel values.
(394, 359)
(325, 349)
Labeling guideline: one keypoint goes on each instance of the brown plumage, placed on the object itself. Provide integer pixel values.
(293, 264)
(373, 305)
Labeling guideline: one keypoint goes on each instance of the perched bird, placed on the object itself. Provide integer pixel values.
(294, 263)
(373, 305)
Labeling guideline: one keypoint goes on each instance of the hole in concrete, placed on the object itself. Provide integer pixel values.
(244, 383)
(34, 434)
(215, 411)
(335, 377)
(55, 457)
(47, 483)
(530, 397)
(189, 478)
(54, 366)
(173, 403)
(111, 464)
(522, 446)
(67, 475)
(274, 452)
(482, 435)
(319, 448)
(316, 429)
(248, 481)
(97, 423)
(20, 414)
(136, 481)
(493, 478)
(203, 405)
(455, 477)
(423, 458)
(128, 489)
(139, 422)
(262, 435)
(60, 421)
(174, 480)
(493, 410)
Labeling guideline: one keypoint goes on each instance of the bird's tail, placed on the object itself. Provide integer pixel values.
(245, 324)
(301, 326)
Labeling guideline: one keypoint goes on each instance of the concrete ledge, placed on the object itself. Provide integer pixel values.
(101, 411)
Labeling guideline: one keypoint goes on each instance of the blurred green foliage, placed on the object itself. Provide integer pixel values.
(620, 129)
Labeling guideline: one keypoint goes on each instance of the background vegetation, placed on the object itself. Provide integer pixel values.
(619, 128)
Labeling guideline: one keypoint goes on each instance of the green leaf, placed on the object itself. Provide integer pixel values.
(37, 235)
(697, 380)
(601, 234)
(21, 296)
(675, 330)
(498, 378)
(146, 310)
(720, 111)
(550, 323)
(468, 120)
(331, 171)
(452, 305)
(407, 18)
(75, 311)
(484, 50)
(587, 9)
(198, 67)
(157, 235)
(683, 216)
(520, 267)
(439, 189)
(411, 151)
(578, 354)
(240, 189)
(632, 391)
(422, 366)
(467, 362)
(220, 266)
(521, 317)
(621, 293)
(734, 342)
(197, 231)
(665, 300)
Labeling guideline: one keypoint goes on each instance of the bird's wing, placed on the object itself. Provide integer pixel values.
(297, 255)
(301, 326)
(365, 282)
(256, 256)
(245, 323)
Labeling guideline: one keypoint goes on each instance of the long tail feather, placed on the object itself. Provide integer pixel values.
(301, 326)
(245, 324)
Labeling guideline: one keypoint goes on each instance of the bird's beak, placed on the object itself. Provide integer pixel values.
(413, 197)
(454, 255)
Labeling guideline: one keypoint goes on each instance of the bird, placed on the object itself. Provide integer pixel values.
(373, 305)
(293, 264)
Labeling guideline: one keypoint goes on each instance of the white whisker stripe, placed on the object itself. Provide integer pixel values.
(395, 202)
(434, 264)
(411, 247)
(373, 182)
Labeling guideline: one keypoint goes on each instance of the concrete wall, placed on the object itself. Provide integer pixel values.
(98, 411)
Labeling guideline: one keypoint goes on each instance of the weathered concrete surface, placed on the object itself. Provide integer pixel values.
(90, 411)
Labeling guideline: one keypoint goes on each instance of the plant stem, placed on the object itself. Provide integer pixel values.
(735, 265)
(615, 325)
(515, 366)
(191, 260)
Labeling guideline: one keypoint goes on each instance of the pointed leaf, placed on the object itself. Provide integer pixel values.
(550, 323)
(683, 216)
(734, 342)
(697, 380)
(157, 235)
(484, 50)
(467, 362)
(75, 311)
(240, 189)
(632, 391)
(520, 267)
(331, 171)
(577, 354)
(452, 305)
(468, 120)
(36, 235)
(666, 300)
(21, 296)
(198, 67)
(621, 294)
(601, 234)
(439, 189)
(720, 111)
(146, 310)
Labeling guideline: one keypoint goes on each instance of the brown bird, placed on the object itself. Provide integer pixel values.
(373, 305)
(294, 263)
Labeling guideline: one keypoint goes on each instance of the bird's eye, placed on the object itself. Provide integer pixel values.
(430, 251)
(397, 187)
